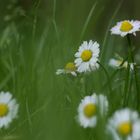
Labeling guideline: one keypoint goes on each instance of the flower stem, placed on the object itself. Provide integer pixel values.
(135, 71)
(108, 77)
(114, 73)
(127, 87)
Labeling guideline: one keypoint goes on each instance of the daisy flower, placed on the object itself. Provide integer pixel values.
(87, 56)
(125, 125)
(8, 109)
(120, 63)
(70, 68)
(89, 109)
(126, 27)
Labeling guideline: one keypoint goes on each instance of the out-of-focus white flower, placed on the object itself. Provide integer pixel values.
(89, 109)
(70, 68)
(8, 109)
(120, 63)
(124, 125)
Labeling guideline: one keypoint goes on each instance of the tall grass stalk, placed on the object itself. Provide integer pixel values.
(135, 70)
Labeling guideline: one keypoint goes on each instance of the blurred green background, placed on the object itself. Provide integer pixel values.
(38, 37)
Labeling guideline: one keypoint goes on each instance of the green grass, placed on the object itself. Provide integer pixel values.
(34, 46)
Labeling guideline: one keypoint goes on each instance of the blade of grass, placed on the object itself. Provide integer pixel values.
(107, 31)
(29, 116)
(88, 20)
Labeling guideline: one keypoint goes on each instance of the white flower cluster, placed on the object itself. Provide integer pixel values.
(125, 123)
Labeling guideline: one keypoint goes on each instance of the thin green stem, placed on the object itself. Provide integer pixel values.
(126, 87)
(111, 78)
(130, 83)
(135, 71)
(114, 73)
(108, 77)
(88, 20)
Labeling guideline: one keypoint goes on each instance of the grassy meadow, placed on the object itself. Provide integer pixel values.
(40, 36)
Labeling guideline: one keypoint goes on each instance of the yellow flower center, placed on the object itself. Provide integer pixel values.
(3, 109)
(126, 26)
(125, 128)
(86, 55)
(90, 110)
(70, 66)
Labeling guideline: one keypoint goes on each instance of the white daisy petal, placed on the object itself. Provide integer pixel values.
(5, 97)
(78, 61)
